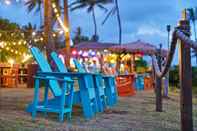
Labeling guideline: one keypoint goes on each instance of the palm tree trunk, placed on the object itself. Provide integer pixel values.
(48, 27)
(119, 22)
(194, 24)
(95, 24)
(40, 17)
(67, 34)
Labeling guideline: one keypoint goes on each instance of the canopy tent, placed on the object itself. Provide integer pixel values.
(132, 47)
(93, 46)
(136, 47)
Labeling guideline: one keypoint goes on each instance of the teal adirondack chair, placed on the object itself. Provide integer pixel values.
(77, 96)
(61, 88)
(107, 90)
(87, 93)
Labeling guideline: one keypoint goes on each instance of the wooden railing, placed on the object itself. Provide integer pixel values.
(181, 36)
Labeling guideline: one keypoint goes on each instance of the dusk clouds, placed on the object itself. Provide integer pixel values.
(141, 19)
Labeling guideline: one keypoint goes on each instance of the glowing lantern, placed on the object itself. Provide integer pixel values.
(74, 52)
(80, 52)
(93, 53)
(94, 58)
(85, 54)
(11, 62)
(112, 61)
(7, 2)
(98, 53)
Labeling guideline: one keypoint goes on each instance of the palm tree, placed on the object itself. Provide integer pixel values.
(116, 10)
(48, 27)
(192, 17)
(67, 34)
(90, 5)
(28, 31)
(79, 37)
(119, 21)
(37, 5)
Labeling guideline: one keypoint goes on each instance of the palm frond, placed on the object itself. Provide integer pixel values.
(102, 7)
(33, 4)
(79, 6)
(90, 8)
(109, 14)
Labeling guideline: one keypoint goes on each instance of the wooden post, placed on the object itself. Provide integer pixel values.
(185, 72)
(158, 94)
(159, 86)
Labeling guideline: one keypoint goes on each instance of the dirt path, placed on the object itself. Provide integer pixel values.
(135, 113)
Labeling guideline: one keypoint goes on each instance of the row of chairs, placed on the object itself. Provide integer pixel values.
(95, 93)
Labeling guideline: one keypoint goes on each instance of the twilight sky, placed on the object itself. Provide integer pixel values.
(141, 19)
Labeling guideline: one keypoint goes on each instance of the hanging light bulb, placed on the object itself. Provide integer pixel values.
(7, 2)
(33, 33)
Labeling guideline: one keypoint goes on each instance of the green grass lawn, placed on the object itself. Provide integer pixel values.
(135, 113)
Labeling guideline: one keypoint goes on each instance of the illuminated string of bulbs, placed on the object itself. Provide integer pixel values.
(5, 46)
(57, 14)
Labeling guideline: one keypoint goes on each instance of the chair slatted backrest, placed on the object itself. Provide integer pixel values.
(62, 68)
(79, 66)
(60, 65)
(81, 69)
(45, 67)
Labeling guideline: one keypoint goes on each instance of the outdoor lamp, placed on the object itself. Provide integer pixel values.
(168, 27)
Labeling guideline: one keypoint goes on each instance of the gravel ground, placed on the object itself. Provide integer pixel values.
(135, 113)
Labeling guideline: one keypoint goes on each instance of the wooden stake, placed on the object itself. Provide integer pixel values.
(185, 73)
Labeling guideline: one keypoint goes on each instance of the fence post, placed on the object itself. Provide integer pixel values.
(159, 85)
(185, 74)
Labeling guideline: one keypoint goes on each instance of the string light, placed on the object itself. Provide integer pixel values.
(7, 48)
(11, 61)
(66, 30)
(54, 35)
(19, 43)
(7, 2)
(41, 39)
(33, 33)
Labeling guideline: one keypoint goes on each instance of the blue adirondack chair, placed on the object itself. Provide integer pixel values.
(61, 68)
(110, 90)
(87, 94)
(139, 83)
(61, 94)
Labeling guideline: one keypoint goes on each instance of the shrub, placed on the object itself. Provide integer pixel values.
(174, 77)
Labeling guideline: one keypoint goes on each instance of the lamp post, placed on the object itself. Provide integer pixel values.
(168, 27)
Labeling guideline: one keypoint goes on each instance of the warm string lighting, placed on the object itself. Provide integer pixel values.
(65, 29)
(6, 46)
(9, 2)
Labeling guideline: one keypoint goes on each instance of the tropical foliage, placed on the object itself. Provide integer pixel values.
(79, 37)
(90, 5)
(174, 77)
(13, 43)
(113, 11)
(193, 20)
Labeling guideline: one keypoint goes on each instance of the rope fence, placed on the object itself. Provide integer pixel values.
(181, 36)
